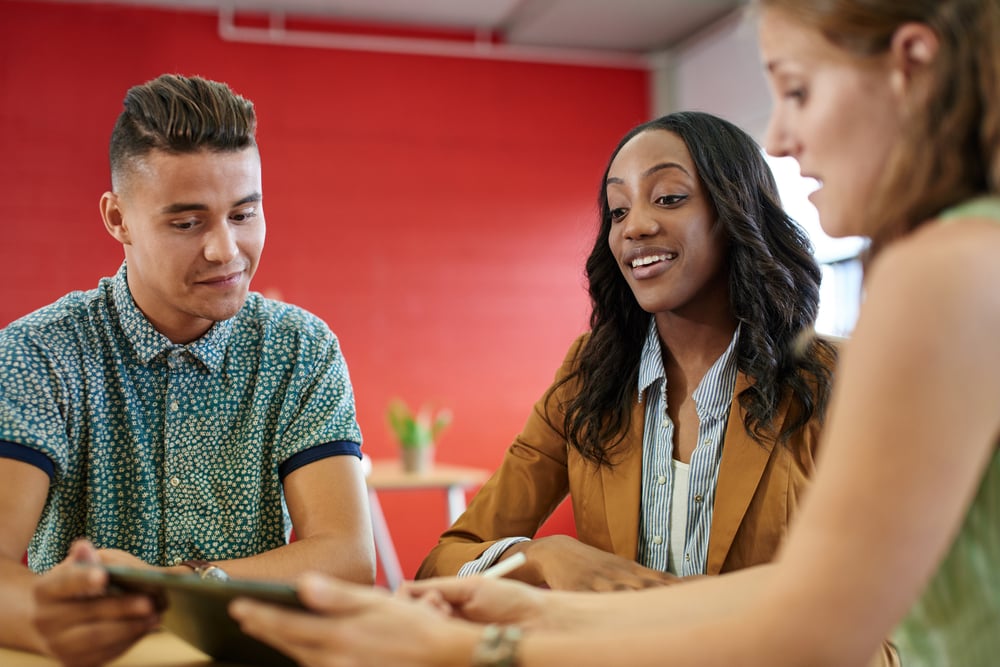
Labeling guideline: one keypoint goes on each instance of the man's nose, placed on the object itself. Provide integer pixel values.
(220, 244)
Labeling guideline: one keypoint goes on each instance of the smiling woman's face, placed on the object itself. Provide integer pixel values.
(834, 113)
(663, 227)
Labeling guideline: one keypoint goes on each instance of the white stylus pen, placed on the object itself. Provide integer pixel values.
(505, 566)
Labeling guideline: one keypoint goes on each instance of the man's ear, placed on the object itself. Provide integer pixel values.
(912, 50)
(114, 218)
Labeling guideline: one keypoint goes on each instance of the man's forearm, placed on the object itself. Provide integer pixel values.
(350, 560)
(18, 608)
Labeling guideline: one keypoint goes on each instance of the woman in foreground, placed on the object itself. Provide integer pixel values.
(894, 107)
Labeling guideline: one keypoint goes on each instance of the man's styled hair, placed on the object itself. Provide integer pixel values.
(179, 114)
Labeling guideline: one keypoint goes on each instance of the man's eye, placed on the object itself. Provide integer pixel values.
(244, 216)
(186, 224)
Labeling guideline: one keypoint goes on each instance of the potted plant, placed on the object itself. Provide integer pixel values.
(416, 433)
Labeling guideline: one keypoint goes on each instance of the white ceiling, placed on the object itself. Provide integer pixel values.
(627, 26)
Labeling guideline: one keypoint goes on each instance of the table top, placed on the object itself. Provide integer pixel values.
(158, 649)
(389, 474)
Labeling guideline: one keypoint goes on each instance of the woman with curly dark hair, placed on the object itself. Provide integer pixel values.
(683, 425)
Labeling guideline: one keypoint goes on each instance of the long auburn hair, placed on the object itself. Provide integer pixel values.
(950, 149)
(774, 292)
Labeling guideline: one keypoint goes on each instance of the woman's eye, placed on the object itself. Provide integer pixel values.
(796, 94)
(618, 213)
(670, 200)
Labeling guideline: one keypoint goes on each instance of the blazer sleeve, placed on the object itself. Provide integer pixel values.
(531, 482)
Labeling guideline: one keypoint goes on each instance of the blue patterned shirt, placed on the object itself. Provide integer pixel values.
(169, 451)
(712, 398)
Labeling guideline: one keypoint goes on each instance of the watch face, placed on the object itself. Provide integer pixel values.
(215, 573)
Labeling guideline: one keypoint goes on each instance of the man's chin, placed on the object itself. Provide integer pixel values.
(220, 312)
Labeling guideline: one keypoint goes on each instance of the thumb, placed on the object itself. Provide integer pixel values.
(330, 596)
(82, 551)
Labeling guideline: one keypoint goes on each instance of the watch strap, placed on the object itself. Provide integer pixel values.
(203, 567)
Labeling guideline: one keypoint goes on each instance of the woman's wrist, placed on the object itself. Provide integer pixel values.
(497, 646)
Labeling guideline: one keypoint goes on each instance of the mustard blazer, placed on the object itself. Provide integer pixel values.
(759, 489)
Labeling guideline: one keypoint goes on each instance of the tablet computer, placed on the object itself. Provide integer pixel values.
(196, 610)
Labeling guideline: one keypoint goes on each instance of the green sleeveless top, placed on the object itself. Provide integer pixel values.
(956, 621)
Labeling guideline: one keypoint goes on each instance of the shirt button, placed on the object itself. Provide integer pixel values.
(657, 539)
(687, 558)
(663, 425)
(706, 442)
(174, 406)
(175, 481)
(661, 479)
(697, 498)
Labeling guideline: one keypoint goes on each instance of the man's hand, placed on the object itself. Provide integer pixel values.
(81, 624)
(563, 563)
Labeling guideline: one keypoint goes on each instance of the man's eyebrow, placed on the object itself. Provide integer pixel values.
(181, 207)
(249, 199)
(652, 170)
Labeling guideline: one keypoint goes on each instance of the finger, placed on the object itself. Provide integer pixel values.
(302, 654)
(453, 590)
(52, 616)
(330, 596)
(98, 643)
(83, 551)
(433, 601)
(280, 626)
(71, 581)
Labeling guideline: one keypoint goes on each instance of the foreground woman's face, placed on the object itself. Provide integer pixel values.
(833, 113)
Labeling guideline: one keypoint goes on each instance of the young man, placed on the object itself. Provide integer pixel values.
(166, 415)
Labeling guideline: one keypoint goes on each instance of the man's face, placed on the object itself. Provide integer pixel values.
(193, 229)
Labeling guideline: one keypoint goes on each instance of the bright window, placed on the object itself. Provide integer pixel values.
(840, 291)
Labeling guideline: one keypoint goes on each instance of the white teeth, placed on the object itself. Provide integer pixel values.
(644, 261)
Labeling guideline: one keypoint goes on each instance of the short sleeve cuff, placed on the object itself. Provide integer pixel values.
(313, 454)
(12, 450)
(490, 556)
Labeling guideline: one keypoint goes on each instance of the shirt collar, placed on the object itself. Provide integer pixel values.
(149, 343)
(708, 400)
(709, 403)
(651, 360)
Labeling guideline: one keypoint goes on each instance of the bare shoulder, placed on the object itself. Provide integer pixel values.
(933, 300)
(951, 267)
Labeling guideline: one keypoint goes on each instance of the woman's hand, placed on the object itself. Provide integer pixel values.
(358, 626)
(566, 564)
(483, 600)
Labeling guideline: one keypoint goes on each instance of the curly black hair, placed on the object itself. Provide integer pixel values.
(774, 291)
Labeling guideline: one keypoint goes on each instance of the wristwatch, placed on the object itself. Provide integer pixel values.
(207, 570)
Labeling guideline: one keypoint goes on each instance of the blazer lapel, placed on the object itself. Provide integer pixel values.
(740, 470)
(623, 488)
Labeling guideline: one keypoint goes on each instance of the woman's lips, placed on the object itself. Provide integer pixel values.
(646, 271)
(649, 262)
